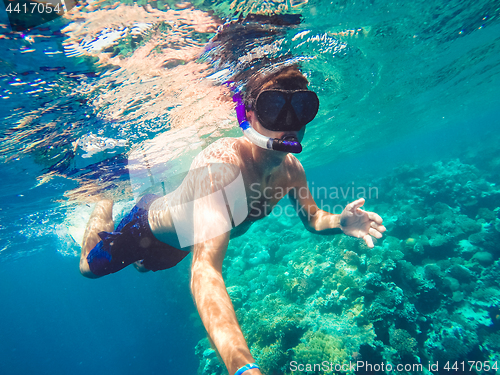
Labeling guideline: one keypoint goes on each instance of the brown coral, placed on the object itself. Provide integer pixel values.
(402, 341)
(351, 258)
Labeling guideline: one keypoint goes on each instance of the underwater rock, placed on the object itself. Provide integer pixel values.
(238, 264)
(352, 258)
(372, 281)
(318, 347)
(466, 247)
(492, 342)
(408, 312)
(209, 364)
(260, 257)
(429, 299)
(461, 273)
(486, 239)
(410, 242)
(237, 294)
(497, 225)
(403, 342)
(486, 214)
(433, 271)
(486, 297)
(451, 283)
(209, 353)
(386, 302)
(457, 296)
(477, 238)
(438, 240)
(483, 257)
(452, 342)
(471, 316)
(270, 357)
(467, 225)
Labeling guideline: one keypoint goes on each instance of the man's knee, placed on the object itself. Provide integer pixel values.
(85, 270)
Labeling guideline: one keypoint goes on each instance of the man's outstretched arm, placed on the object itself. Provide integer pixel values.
(353, 221)
(214, 305)
(313, 218)
(211, 237)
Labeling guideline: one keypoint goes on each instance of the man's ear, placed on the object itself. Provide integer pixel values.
(251, 116)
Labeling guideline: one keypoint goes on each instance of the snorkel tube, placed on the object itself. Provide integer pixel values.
(258, 139)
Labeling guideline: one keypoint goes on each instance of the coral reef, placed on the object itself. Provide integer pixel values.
(429, 291)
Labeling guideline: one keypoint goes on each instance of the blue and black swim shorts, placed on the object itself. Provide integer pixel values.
(132, 241)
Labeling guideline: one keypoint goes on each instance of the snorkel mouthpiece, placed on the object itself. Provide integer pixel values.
(288, 144)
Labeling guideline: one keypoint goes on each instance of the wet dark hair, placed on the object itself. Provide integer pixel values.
(233, 38)
(232, 50)
(287, 78)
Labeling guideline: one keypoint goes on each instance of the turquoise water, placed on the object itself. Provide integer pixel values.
(402, 87)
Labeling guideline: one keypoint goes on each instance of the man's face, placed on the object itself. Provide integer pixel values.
(254, 121)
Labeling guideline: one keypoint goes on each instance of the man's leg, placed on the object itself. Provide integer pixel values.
(100, 220)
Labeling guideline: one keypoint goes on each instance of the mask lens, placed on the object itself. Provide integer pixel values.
(281, 110)
(269, 105)
(306, 105)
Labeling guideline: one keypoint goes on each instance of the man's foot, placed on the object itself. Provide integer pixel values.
(139, 266)
(100, 220)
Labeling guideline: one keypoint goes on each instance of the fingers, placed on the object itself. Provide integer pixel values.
(369, 241)
(357, 203)
(368, 237)
(377, 227)
(376, 218)
(375, 233)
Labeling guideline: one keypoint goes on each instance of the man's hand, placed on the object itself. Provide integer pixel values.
(358, 223)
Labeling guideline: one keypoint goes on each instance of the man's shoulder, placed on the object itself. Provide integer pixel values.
(223, 143)
(294, 170)
(224, 151)
(293, 164)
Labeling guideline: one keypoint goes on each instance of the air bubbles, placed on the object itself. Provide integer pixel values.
(92, 144)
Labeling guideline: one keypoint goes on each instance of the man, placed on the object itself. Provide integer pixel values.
(277, 108)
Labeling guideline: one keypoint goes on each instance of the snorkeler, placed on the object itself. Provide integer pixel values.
(273, 115)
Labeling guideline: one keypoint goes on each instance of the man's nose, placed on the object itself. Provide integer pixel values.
(289, 118)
